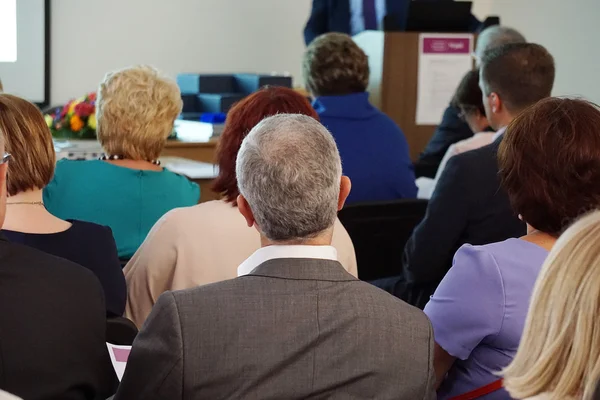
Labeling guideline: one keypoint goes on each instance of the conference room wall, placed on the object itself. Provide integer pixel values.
(568, 29)
(94, 36)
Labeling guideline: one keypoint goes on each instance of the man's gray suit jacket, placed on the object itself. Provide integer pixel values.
(292, 329)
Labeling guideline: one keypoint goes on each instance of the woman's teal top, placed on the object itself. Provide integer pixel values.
(129, 201)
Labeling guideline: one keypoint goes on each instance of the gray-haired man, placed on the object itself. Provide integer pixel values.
(295, 324)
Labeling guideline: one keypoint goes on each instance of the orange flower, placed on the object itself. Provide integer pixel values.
(76, 123)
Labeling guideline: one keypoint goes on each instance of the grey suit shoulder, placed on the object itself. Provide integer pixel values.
(302, 328)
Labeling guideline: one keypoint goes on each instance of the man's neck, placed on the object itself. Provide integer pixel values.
(321, 240)
(503, 122)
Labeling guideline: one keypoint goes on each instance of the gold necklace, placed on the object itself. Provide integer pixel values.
(32, 203)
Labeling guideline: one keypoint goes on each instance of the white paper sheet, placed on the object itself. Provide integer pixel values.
(190, 168)
(443, 61)
(118, 357)
(193, 131)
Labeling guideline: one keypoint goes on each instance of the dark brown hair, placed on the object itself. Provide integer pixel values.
(468, 96)
(28, 139)
(334, 65)
(242, 117)
(520, 73)
(549, 163)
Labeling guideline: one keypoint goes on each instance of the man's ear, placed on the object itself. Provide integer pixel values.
(245, 210)
(345, 187)
(495, 102)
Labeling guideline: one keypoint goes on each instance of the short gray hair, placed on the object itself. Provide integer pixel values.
(496, 36)
(289, 170)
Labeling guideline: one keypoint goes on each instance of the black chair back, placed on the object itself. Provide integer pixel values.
(379, 232)
(120, 331)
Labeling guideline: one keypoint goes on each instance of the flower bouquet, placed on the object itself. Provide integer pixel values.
(76, 120)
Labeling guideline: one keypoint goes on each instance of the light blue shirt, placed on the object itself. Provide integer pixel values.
(357, 22)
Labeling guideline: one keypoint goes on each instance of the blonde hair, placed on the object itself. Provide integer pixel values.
(559, 352)
(136, 108)
(28, 139)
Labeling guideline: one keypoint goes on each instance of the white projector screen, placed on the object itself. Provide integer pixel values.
(24, 49)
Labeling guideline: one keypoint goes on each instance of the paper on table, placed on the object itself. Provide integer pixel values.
(193, 131)
(118, 357)
(443, 61)
(190, 168)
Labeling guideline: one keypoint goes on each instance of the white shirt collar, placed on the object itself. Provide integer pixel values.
(499, 133)
(272, 252)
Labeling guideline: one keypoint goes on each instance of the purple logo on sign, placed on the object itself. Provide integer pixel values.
(446, 46)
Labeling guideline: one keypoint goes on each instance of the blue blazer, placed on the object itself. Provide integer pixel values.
(373, 149)
(334, 16)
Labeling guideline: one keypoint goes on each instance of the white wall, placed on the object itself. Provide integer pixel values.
(569, 29)
(91, 37)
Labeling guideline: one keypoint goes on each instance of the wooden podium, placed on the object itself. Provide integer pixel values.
(393, 61)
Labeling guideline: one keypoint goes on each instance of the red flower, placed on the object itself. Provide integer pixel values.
(84, 110)
(65, 109)
(92, 97)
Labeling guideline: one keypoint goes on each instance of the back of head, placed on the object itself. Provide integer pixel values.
(29, 141)
(549, 161)
(334, 65)
(496, 36)
(136, 108)
(244, 116)
(468, 94)
(560, 348)
(289, 171)
(519, 73)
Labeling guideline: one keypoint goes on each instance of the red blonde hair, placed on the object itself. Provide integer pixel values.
(242, 117)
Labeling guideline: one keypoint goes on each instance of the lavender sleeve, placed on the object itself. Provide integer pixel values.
(468, 305)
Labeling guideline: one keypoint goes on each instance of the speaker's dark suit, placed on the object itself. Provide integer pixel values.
(334, 16)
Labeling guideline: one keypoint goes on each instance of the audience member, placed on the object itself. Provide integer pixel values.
(374, 150)
(559, 354)
(28, 140)
(127, 190)
(52, 323)
(550, 167)
(468, 205)
(453, 129)
(203, 244)
(469, 100)
(296, 325)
